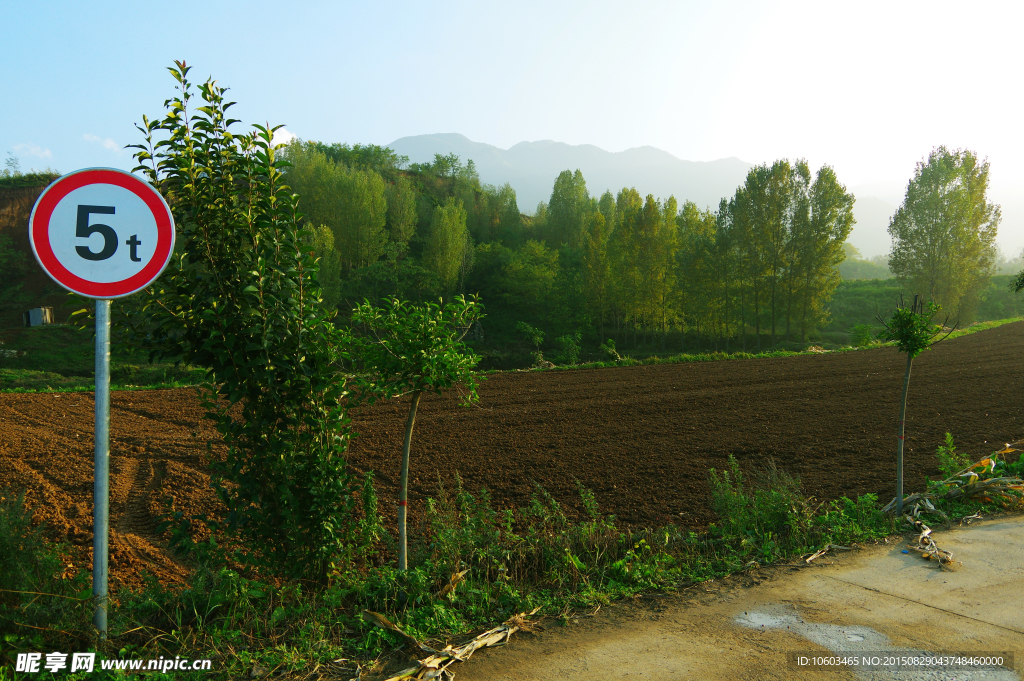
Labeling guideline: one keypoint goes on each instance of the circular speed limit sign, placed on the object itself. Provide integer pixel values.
(102, 232)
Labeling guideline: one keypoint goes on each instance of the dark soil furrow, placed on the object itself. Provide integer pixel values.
(643, 438)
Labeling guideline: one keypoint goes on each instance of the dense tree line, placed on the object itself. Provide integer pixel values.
(643, 270)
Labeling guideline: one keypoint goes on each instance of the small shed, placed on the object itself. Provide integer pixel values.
(38, 316)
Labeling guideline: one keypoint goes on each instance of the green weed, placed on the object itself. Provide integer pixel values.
(44, 604)
(471, 565)
(951, 461)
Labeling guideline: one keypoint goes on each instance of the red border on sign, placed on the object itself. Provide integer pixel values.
(39, 228)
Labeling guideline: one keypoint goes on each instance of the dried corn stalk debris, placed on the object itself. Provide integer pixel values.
(454, 582)
(828, 547)
(985, 480)
(929, 550)
(436, 666)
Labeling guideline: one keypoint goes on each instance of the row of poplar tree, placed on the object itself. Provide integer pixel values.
(643, 270)
(759, 268)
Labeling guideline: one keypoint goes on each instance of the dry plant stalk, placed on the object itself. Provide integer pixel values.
(929, 550)
(436, 667)
(455, 580)
(967, 484)
(826, 549)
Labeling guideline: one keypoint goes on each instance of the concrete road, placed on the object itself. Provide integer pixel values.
(878, 600)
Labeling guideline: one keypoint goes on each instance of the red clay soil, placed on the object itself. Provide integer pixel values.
(643, 438)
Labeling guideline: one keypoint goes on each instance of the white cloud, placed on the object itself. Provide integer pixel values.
(107, 143)
(32, 150)
(283, 136)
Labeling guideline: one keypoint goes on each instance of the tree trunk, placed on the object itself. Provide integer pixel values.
(727, 316)
(743, 320)
(664, 329)
(899, 444)
(403, 495)
(757, 320)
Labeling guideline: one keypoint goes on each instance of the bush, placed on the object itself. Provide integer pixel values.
(241, 297)
(608, 348)
(768, 518)
(862, 336)
(44, 605)
(569, 346)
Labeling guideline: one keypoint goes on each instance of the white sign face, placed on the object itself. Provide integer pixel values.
(115, 235)
(102, 233)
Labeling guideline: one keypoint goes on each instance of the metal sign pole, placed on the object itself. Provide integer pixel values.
(61, 231)
(101, 487)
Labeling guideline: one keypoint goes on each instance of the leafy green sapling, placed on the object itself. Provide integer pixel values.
(412, 349)
(913, 332)
(534, 336)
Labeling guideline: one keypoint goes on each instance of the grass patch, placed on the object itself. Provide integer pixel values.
(514, 560)
(724, 356)
(983, 326)
(61, 358)
(43, 605)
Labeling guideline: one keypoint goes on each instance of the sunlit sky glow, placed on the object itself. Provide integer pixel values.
(867, 87)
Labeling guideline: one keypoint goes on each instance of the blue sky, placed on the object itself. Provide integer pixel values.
(866, 87)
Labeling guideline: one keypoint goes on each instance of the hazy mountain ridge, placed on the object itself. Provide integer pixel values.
(531, 168)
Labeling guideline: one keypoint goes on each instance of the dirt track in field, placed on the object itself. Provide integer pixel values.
(642, 438)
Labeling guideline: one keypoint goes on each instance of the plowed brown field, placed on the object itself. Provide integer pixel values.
(642, 438)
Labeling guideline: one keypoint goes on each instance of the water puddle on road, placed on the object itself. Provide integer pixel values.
(858, 640)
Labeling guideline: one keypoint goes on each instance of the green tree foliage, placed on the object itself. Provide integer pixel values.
(361, 237)
(521, 282)
(569, 347)
(567, 210)
(414, 349)
(771, 194)
(912, 331)
(362, 157)
(659, 246)
(12, 175)
(785, 241)
(320, 240)
(349, 201)
(538, 223)
(504, 221)
(944, 233)
(597, 280)
(606, 205)
(763, 265)
(861, 302)
(624, 252)
(241, 297)
(14, 266)
(822, 222)
(446, 246)
(401, 211)
(700, 261)
(533, 335)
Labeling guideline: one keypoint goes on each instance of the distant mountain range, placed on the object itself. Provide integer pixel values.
(531, 169)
